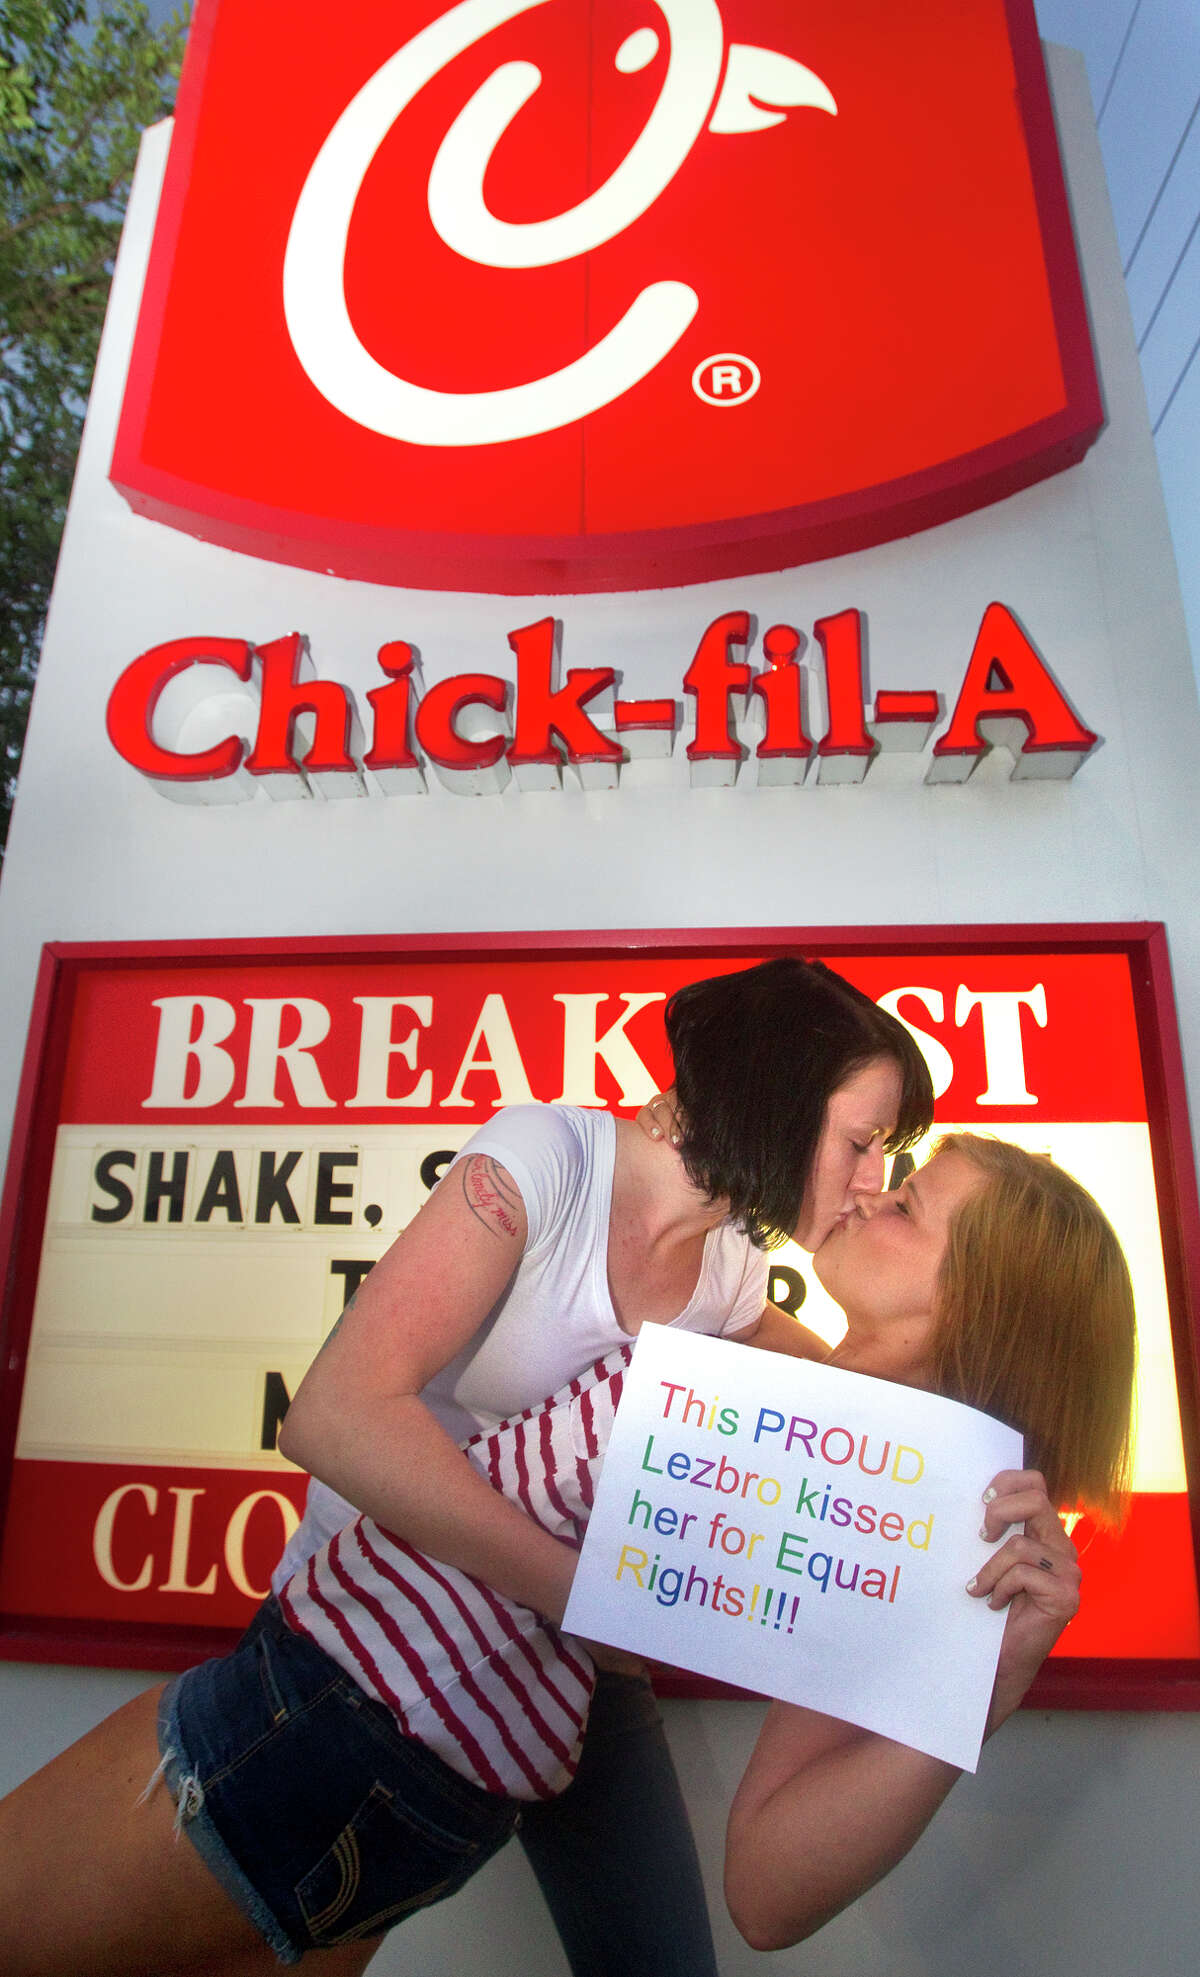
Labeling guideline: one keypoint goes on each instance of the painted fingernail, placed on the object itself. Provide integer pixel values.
(676, 1138)
(986, 1535)
(656, 1132)
(971, 1585)
(989, 1495)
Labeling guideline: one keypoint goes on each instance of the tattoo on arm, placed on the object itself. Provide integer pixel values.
(490, 1195)
(336, 1326)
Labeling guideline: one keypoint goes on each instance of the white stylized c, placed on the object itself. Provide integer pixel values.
(319, 325)
(456, 202)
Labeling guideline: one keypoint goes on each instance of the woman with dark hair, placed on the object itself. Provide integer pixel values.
(757, 1057)
(555, 1236)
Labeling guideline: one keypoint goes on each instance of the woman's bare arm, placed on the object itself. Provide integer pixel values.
(357, 1421)
(825, 1810)
(777, 1331)
(822, 1813)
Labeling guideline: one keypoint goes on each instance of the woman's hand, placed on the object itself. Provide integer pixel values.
(659, 1118)
(1035, 1574)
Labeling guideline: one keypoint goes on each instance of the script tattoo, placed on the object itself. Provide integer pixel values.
(490, 1195)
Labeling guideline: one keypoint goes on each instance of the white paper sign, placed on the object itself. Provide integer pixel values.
(801, 1531)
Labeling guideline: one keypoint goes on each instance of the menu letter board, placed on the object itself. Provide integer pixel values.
(215, 1142)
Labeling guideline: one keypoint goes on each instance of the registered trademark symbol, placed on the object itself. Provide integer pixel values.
(726, 379)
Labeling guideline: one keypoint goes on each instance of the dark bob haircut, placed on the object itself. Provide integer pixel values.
(758, 1055)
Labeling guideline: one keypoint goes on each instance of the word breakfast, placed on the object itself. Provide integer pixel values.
(803, 1499)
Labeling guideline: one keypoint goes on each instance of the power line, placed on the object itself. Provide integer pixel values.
(1167, 285)
(1117, 64)
(1162, 188)
(1191, 357)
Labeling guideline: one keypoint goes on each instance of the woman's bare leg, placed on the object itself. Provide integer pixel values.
(95, 1882)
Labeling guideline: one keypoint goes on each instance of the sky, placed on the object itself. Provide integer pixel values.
(1143, 61)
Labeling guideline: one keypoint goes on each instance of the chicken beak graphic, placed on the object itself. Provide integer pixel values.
(758, 78)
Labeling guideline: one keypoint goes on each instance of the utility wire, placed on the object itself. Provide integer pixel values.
(1187, 131)
(1117, 64)
(1191, 357)
(1167, 285)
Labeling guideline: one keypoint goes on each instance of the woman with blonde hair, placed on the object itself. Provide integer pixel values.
(994, 1278)
(1033, 1242)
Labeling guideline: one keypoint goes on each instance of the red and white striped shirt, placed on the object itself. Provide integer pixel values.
(494, 1689)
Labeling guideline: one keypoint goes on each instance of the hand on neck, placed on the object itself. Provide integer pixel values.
(652, 1188)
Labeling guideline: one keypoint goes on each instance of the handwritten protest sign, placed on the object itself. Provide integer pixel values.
(801, 1531)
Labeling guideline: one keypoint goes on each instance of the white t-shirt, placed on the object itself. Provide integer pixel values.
(557, 1315)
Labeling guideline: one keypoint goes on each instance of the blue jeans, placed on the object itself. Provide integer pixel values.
(615, 1857)
(327, 1825)
(303, 1798)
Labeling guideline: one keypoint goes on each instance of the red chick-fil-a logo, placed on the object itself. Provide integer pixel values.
(539, 297)
(692, 97)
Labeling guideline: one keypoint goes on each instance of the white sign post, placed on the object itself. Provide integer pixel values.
(801, 1531)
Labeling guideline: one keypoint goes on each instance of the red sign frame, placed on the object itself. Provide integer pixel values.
(945, 315)
(62, 1082)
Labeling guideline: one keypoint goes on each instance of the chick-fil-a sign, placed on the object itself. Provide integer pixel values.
(537, 295)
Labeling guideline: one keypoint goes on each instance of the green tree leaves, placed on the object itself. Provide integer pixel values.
(79, 81)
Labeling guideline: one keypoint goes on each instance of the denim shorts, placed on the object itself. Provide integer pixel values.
(301, 1794)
